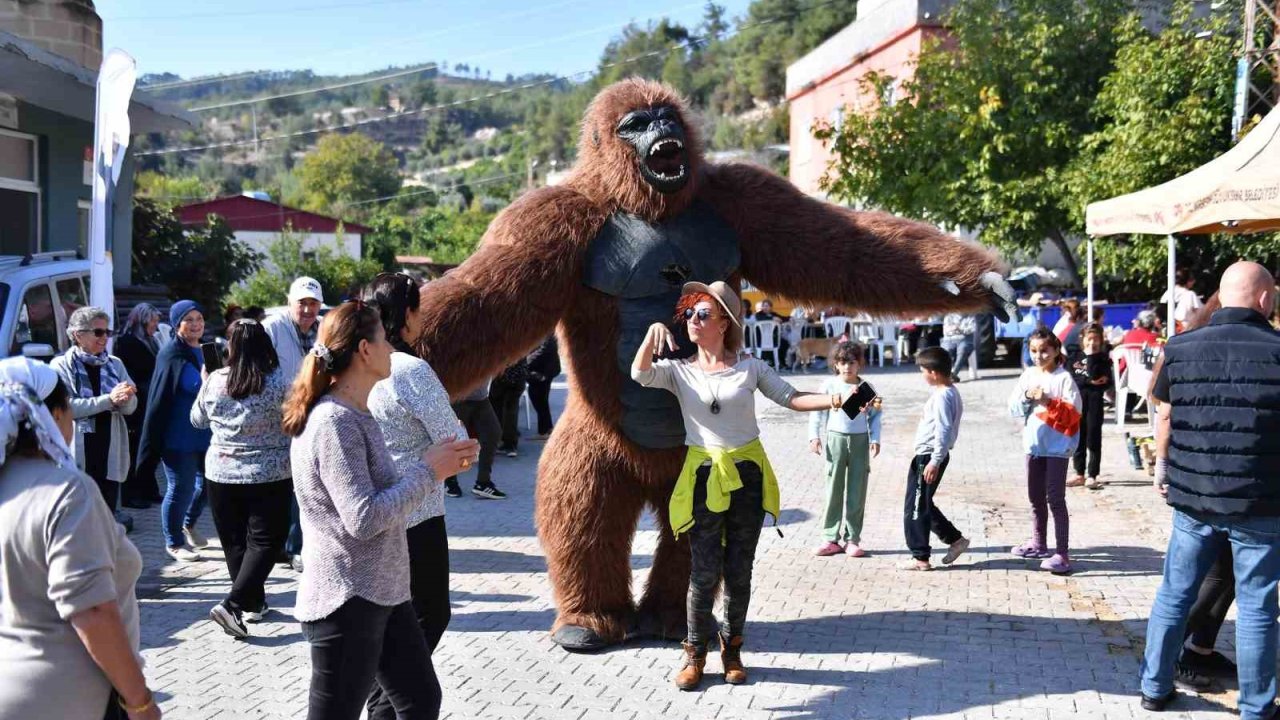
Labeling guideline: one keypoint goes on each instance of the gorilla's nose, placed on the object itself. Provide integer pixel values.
(662, 127)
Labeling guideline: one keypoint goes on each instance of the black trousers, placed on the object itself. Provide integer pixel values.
(1217, 593)
(1090, 433)
(506, 404)
(921, 516)
(252, 523)
(429, 582)
(110, 490)
(360, 644)
(540, 397)
(723, 545)
(139, 486)
(479, 419)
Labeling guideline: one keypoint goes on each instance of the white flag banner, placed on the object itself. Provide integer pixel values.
(116, 79)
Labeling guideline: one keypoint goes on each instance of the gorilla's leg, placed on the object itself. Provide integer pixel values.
(589, 499)
(662, 607)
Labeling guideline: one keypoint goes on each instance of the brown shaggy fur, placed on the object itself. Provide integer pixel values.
(526, 277)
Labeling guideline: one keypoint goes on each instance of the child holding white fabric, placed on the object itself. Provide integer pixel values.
(850, 445)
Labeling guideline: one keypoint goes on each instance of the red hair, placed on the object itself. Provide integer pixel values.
(732, 334)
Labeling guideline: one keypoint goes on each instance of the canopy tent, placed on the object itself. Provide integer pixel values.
(1237, 192)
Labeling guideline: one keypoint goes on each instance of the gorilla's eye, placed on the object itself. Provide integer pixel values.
(633, 123)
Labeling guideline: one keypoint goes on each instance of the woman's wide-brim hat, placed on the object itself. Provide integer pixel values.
(723, 294)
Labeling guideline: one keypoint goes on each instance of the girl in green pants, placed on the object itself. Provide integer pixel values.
(851, 443)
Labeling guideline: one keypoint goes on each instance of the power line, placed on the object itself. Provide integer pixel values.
(309, 91)
(415, 38)
(429, 66)
(257, 13)
(690, 42)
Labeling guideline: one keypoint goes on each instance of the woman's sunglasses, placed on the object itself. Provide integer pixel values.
(702, 314)
(99, 332)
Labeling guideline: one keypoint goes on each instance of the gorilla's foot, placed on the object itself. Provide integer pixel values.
(588, 632)
(663, 623)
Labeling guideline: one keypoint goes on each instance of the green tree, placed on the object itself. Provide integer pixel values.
(346, 169)
(338, 273)
(1163, 111)
(168, 190)
(983, 132)
(199, 263)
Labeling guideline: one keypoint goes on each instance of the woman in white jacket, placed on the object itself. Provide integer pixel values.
(102, 393)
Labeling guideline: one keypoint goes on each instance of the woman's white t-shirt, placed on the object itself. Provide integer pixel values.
(732, 390)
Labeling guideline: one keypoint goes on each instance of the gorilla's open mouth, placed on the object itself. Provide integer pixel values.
(665, 164)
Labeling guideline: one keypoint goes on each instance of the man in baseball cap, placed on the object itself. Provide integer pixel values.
(292, 334)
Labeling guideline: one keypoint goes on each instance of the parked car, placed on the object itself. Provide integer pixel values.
(38, 293)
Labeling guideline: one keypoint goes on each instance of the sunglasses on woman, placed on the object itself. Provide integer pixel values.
(702, 314)
(99, 332)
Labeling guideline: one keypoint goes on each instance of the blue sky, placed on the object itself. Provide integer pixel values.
(348, 36)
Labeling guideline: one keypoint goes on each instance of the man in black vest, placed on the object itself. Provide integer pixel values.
(1218, 463)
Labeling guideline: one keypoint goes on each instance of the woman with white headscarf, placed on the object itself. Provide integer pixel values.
(137, 346)
(102, 393)
(69, 620)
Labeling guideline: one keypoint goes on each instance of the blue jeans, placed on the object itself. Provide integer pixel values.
(960, 349)
(184, 497)
(1193, 545)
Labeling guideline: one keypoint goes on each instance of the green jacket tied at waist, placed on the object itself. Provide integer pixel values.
(721, 481)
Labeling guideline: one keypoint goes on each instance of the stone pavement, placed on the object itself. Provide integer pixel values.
(990, 637)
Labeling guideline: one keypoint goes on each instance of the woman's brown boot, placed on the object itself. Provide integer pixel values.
(731, 656)
(690, 675)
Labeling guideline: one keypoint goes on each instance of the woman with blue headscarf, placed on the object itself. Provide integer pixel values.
(168, 437)
(69, 625)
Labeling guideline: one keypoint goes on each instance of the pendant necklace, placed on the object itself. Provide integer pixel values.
(715, 396)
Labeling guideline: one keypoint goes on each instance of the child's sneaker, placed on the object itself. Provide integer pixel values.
(828, 549)
(1058, 565)
(1093, 483)
(855, 550)
(1030, 550)
(955, 550)
(917, 566)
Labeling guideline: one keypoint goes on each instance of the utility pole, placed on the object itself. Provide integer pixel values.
(257, 147)
(1261, 56)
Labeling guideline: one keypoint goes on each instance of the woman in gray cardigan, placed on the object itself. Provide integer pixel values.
(102, 393)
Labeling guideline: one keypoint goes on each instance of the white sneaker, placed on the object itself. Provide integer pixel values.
(955, 550)
(194, 538)
(255, 616)
(182, 553)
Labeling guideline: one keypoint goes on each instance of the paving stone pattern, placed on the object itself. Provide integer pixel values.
(990, 637)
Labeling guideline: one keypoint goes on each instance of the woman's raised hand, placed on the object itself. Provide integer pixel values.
(451, 457)
(659, 335)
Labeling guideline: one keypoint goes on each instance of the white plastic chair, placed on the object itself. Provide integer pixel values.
(1135, 378)
(527, 404)
(749, 337)
(886, 336)
(767, 339)
(838, 325)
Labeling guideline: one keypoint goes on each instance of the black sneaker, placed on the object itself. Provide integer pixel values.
(229, 619)
(488, 492)
(451, 488)
(1158, 704)
(1186, 677)
(1215, 664)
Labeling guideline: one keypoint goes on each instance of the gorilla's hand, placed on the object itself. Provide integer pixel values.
(1003, 300)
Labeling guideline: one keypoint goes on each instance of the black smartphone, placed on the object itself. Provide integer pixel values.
(212, 356)
(855, 402)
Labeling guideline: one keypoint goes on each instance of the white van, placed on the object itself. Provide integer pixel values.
(37, 294)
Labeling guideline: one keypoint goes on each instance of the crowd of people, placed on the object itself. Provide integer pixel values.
(333, 431)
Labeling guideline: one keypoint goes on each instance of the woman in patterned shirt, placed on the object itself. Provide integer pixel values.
(247, 467)
(412, 408)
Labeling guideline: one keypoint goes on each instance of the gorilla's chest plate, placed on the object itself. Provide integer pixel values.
(645, 266)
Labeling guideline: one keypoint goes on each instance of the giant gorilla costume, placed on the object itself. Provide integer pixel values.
(605, 255)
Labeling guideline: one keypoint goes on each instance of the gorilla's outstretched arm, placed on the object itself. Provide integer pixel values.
(511, 293)
(810, 251)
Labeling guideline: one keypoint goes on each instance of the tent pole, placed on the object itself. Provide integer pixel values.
(1171, 326)
(1089, 276)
